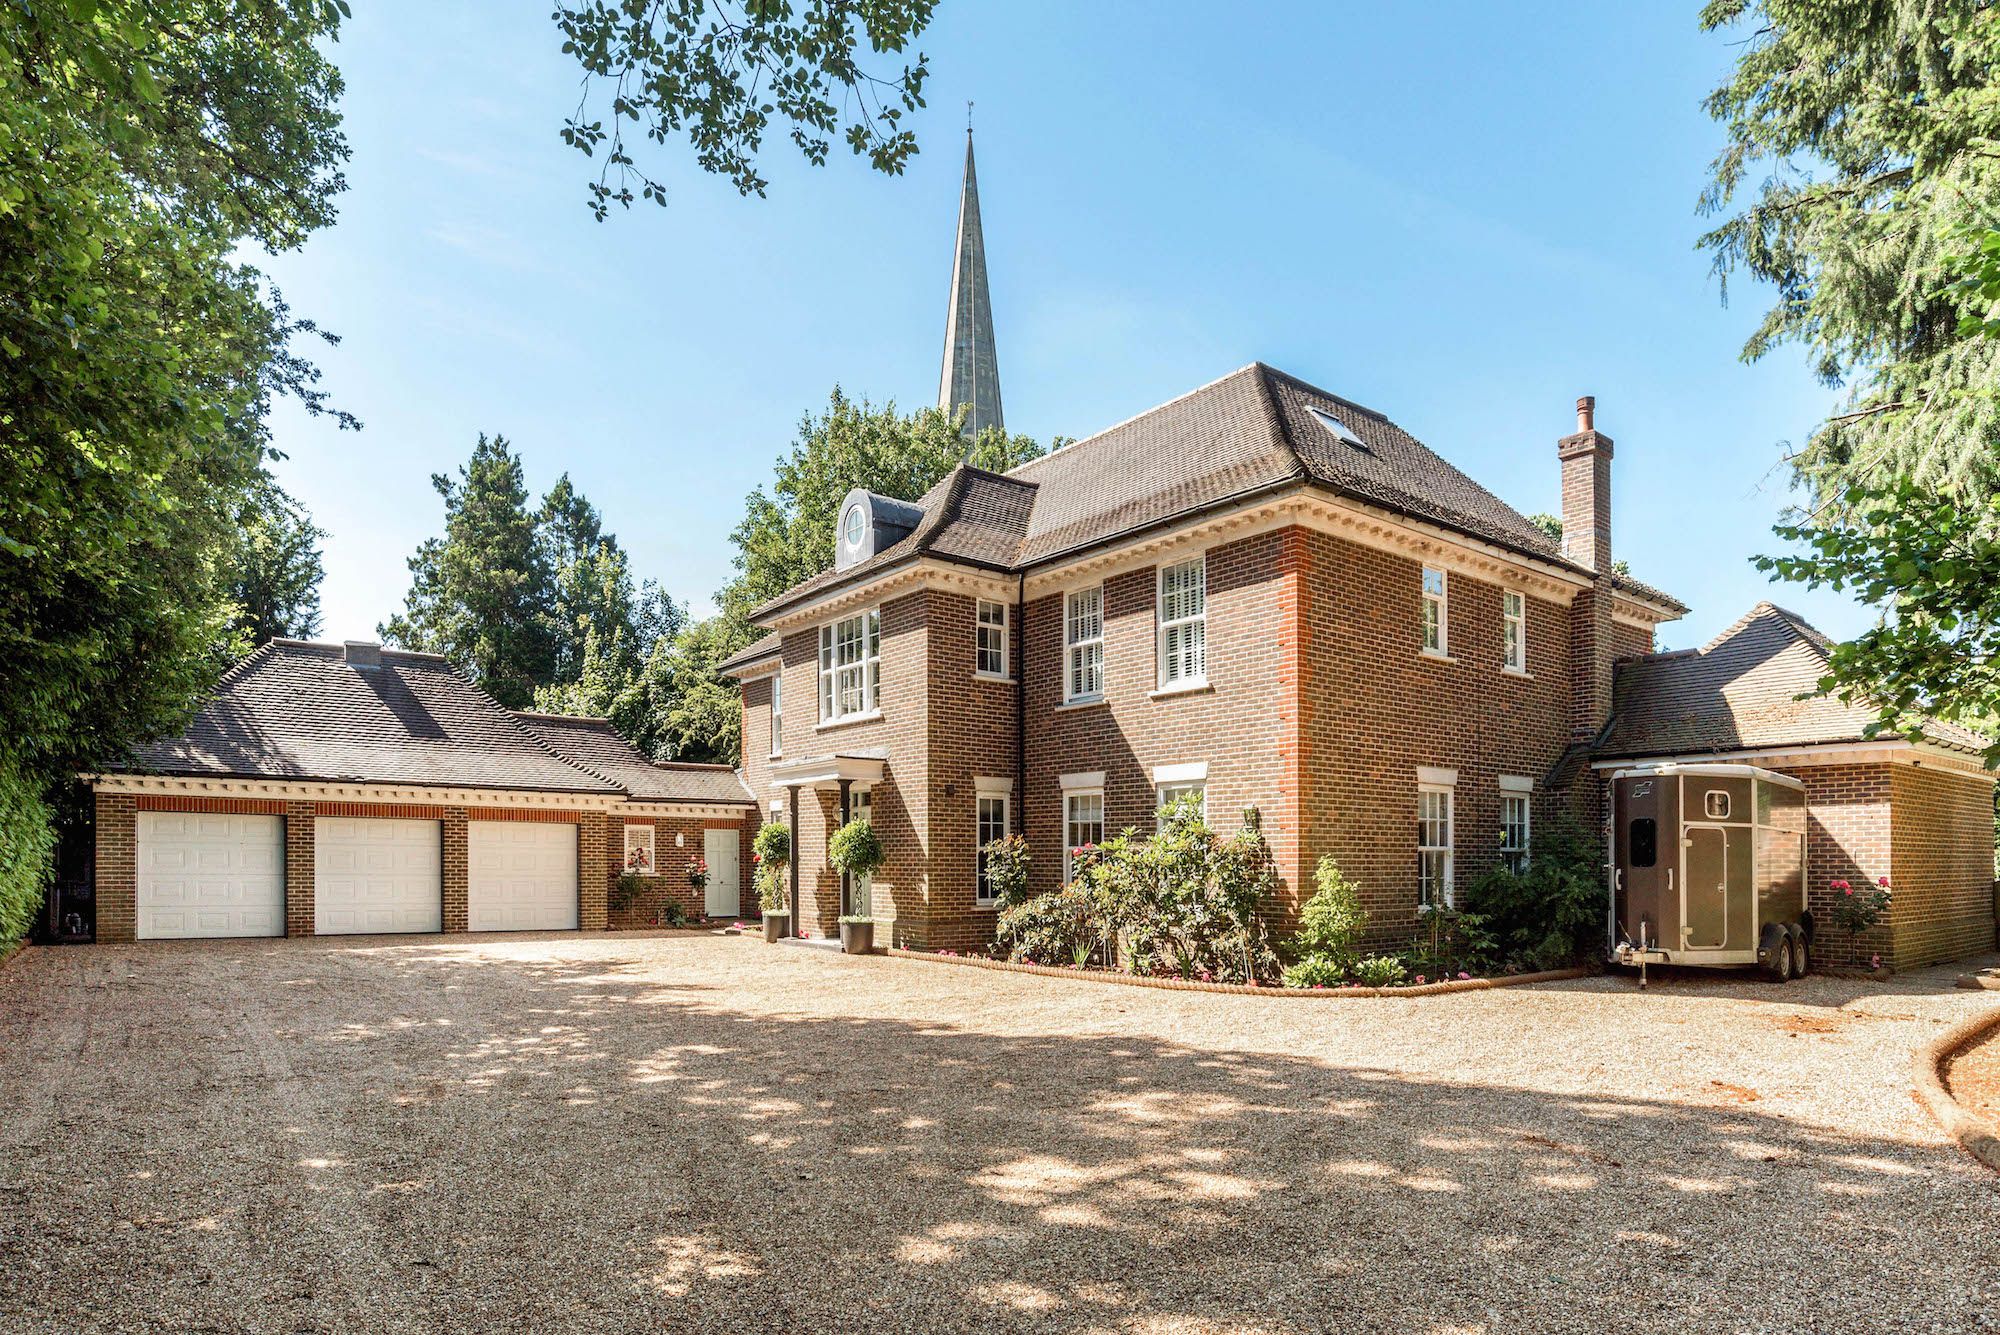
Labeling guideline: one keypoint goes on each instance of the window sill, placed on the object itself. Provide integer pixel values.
(1435, 656)
(993, 677)
(872, 716)
(1081, 702)
(1181, 688)
(1522, 673)
(985, 905)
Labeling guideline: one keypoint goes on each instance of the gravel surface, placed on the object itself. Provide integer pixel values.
(1973, 1077)
(695, 1133)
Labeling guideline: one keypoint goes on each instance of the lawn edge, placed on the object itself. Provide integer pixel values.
(1973, 1133)
(1240, 989)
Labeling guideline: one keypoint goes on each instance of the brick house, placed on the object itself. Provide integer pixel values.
(332, 789)
(1276, 598)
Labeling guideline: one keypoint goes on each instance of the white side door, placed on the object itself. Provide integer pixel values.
(377, 876)
(719, 849)
(210, 875)
(521, 876)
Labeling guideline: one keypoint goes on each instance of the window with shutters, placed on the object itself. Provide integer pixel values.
(1083, 645)
(1183, 604)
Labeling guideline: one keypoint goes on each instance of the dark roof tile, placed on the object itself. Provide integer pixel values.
(593, 744)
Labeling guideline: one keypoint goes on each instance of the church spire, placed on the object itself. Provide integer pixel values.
(971, 364)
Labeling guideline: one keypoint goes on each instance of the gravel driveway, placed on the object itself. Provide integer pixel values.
(710, 1134)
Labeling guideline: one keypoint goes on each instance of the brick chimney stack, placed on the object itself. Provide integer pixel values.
(1586, 515)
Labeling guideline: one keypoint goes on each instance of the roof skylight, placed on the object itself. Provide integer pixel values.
(1339, 429)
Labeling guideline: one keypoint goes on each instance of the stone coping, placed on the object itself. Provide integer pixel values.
(1974, 1134)
(1243, 989)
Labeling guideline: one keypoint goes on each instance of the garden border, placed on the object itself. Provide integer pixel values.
(1974, 1134)
(1243, 989)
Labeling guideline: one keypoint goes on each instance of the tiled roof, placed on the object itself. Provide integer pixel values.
(1741, 692)
(294, 710)
(594, 745)
(1255, 430)
(768, 646)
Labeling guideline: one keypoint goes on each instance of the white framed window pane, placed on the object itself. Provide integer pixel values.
(1434, 601)
(777, 715)
(991, 649)
(1513, 631)
(1083, 826)
(1183, 616)
(1514, 831)
(1434, 858)
(1170, 792)
(992, 825)
(1083, 638)
(850, 653)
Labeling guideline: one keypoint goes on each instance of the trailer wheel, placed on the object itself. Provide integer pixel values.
(1801, 954)
(1778, 954)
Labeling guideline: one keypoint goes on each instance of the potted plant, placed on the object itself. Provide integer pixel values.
(772, 848)
(857, 934)
(856, 849)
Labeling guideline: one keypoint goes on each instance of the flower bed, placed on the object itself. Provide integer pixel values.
(1242, 989)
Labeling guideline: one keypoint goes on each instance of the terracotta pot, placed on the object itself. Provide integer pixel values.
(857, 938)
(775, 926)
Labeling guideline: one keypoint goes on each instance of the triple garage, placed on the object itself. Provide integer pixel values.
(205, 874)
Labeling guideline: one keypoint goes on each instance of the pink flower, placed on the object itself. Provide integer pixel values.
(1882, 881)
(1463, 974)
(1836, 885)
(1420, 980)
(1874, 961)
(1847, 890)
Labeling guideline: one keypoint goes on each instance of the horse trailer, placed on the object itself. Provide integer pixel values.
(1709, 868)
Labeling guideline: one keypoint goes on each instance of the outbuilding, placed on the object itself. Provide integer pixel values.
(1916, 815)
(347, 789)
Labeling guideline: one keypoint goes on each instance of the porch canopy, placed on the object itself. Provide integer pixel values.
(842, 771)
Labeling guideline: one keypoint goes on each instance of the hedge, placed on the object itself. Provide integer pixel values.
(27, 847)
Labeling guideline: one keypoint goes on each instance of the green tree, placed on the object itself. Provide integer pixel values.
(143, 145)
(482, 595)
(276, 576)
(718, 73)
(1871, 129)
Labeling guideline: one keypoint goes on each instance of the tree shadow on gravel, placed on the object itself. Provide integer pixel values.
(593, 1150)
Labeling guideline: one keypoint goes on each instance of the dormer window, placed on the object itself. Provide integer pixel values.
(870, 525)
(854, 525)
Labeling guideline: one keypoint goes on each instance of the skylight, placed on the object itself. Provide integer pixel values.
(1339, 429)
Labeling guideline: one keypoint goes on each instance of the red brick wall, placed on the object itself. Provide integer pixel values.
(301, 868)
(1245, 725)
(1847, 839)
(1941, 852)
(672, 861)
(901, 801)
(972, 735)
(117, 873)
(1377, 708)
(1629, 641)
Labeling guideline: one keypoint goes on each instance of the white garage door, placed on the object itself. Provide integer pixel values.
(522, 876)
(377, 876)
(207, 875)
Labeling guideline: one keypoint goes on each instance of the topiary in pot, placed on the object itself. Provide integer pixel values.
(856, 849)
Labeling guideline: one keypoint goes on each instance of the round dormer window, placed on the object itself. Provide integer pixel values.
(851, 527)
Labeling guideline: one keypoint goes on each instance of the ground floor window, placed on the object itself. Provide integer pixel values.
(992, 825)
(1083, 824)
(1195, 788)
(1514, 831)
(1434, 845)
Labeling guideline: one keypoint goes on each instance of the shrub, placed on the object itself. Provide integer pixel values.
(771, 851)
(1185, 903)
(1455, 941)
(626, 889)
(1550, 915)
(1379, 971)
(1067, 926)
(1315, 971)
(856, 849)
(1333, 920)
(1855, 914)
(27, 845)
(1007, 869)
(673, 913)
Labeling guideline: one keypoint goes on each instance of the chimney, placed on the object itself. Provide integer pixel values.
(362, 653)
(1586, 515)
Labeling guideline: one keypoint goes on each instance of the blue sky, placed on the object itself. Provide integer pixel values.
(1463, 217)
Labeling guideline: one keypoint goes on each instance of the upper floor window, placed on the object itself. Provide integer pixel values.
(850, 660)
(1513, 631)
(1434, 611)
(778, 714)
(992, 823)
(1514, 831)
(1434, 844)
(1184, 623)
(991, 658)
(1083, 645)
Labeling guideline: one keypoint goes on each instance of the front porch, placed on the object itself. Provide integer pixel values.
(842, 787)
